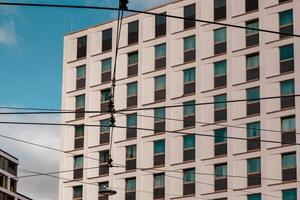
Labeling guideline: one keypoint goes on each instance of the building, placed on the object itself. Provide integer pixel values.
(8, 177)
(163, 62)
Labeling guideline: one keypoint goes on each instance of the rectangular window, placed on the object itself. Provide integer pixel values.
(159, 152)
(286, 58)
(220, 71)
(132, 94)
(189, 181)
(189, 144)
(79, 137)
(159, 186)
(77, 192)
(252, 36)
(106, 70)
(189, 81)
(220, 177)
(189, 48)
(160, 88)
(253, 136)
(289, 194)
(287, 88)
(289, 167)
(220, 141)
(80, 77)
(160, 56)
(133, 59)
(220, 41)
(103, 157)
(105, 96)
(220, 113)
(103, 186)
(286, 23)
(219, 9)
(80, 106)
(288, 128)
(78, 167)
(81, 47)
(132, 123)
(130, 189)
(253, 102)
(159, 120)
(254, 197)
(251, 5)
(131, 157)
(160, 25)
(189, 110)
(190, 13)
(104, 131)
(133, 32)
(253, 171)
(252, 67)
(107, 40)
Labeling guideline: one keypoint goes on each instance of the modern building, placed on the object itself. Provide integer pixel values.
(8, 177)
(245, 150)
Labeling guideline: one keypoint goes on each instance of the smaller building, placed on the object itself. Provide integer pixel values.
(8, 180)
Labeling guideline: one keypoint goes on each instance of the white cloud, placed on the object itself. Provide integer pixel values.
(8, 35)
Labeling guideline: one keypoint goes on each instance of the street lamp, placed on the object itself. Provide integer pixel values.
(107, 192)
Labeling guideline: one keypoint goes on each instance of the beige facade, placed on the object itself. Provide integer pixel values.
(276, 64)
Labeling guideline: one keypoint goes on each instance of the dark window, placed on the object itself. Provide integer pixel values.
(253, 102)
(252, 36)
(159, 120)
(220, 41)
(189, 111)
(80, 77)
(104, 131)
(77, 192)
(159, 152)
(287, 88)
(13, 186)
(103, 167)
(106, 70)
(221, 177)
(133, 60)
(78, 167)
(289, 194)
(189, 181)
(80, 106)
(253, 136)
(107, 40)
(286, 58)
(160, 88)
(282, 1)
(189, 48)
(288, 128)
(132, 94)
(253, 172)
(160, 25)
(220, 141)
(130, 189)
(189, 12)
(105, 96)
(220, 113)
(189, 81)
(251, 5)
(131, 157)
(252, 67)
(159, 186)
(220, 71)
(132, 124)
(219, 9)
(254, 197)
(160, 56)
(79, 137)
(289, 167)
(103, 186)
(8, 166)
(81, 47)
(189, 147)
(286, 23)
(133, 32)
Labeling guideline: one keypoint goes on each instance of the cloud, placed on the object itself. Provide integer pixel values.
(32, 157)
(8, 35)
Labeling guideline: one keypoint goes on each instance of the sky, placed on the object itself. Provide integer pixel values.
(31, 44)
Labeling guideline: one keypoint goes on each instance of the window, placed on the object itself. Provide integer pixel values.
(220, 69)
(219, 9)
(220, 177)
(132, 94)
(286, 23)
(3, 181)
(253, 102)
(107, 40)
(253, 172)
(220, 41)
(287, 88)
(288, 128)
(131, 157)
(80, 106)
(77, 192)
(81, 47)
(159, 152)
(189, 81)
(252, 67)
(289, 194)
(254, 197)
(220, 107)
(189, 12)
(78, 167)
(189, 181)
(104, 157)
(8, 166)
(220, 141)
(130, 189)
(289, 165)
(106, 70)
(160, 56)
(189, 111)
(103, 186)
(252, 36)
(160, 25)
(253, 136)
(105, 96)
(104, 131)
(133, 32)
(159, 186)
(159, 120)
(251, 5)
(79, 136)
(80, 77)
(189, 147)
(132, 123)
(133, 59)
(286, 58)
(160, 88)
(189, 48)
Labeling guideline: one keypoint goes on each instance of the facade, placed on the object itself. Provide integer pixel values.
(164, 62)
(8, 180)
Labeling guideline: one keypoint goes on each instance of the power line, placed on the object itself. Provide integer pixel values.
(144, 12)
